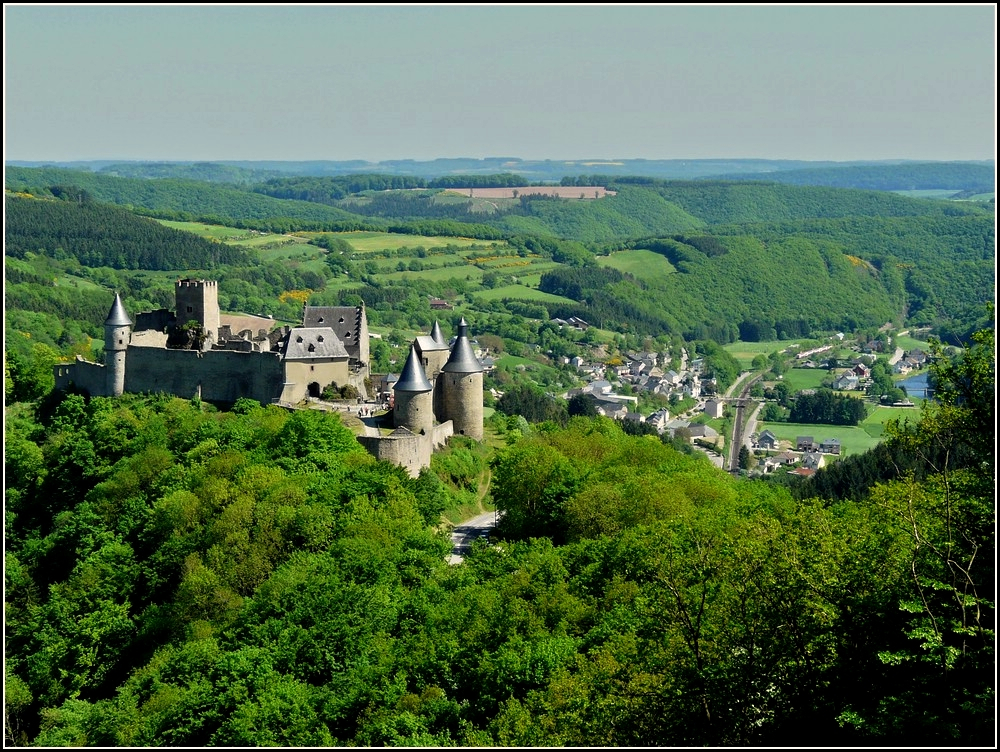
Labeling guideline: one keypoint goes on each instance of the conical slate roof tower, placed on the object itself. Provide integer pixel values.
(437, 336)
(413, 397)
(117, 335)
(461, 387)
(462, 359)
(117, 315)
(413, 378)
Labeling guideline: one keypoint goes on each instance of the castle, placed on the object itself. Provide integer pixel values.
(194, 353)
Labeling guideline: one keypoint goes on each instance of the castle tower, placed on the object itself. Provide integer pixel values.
(413, 406)
(117, 335)
(198, 299)
(461, 385)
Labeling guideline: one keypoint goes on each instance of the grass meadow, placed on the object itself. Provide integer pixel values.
(745, 352)
(366, 242)
(521, 292)
(644, 265)
(804, 378)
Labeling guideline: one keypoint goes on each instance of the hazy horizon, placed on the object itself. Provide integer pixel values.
(540, 83)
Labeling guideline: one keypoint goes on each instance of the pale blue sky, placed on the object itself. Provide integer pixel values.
(379, 82)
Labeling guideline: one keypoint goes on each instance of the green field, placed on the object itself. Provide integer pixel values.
(804, 378)
(364, 242)
(640, 264)
(521, 292)
(929, 193)
(439, 274)
(853, 439)
(745, 352)
(231, 235)
(511, 362)
(909, 343)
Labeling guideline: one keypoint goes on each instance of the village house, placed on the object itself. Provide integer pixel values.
(847, 381)
(786, 458)
(714, 408)
(767, 440)
(701, 431)
(659, 419)
(830, 446)
(813, 460)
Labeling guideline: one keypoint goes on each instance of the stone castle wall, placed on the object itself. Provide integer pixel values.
(442, 432)
(213, 375)
(84, 375)
(410, 451)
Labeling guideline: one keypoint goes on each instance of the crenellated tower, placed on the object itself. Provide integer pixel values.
(117, 336)
(198, 300)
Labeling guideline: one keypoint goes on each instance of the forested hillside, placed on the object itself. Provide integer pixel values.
(790, 285)
(727, 202)
(95, 235)
(178, 576)
(181, 199)
(958, 176)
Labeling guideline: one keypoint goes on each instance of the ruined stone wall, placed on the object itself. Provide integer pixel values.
(443, 432)
(214, 375)
(83, 374)
(411, 452)
(461, 396)
(158, 321)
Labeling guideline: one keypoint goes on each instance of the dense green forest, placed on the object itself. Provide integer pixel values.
(104, 235)
(184, 577)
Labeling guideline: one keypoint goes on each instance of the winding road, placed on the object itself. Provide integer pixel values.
(464, 534)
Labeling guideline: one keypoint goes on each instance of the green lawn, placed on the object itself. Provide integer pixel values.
(909, 343)
(640, 264)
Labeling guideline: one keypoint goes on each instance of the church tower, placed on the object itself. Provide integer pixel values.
(462, 387)
(413, 403)
(117, 335)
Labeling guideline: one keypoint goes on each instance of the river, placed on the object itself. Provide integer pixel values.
(916, 386)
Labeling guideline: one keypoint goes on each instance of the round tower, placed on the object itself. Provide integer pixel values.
(413, 404)
(117, 335)
(462, 387)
